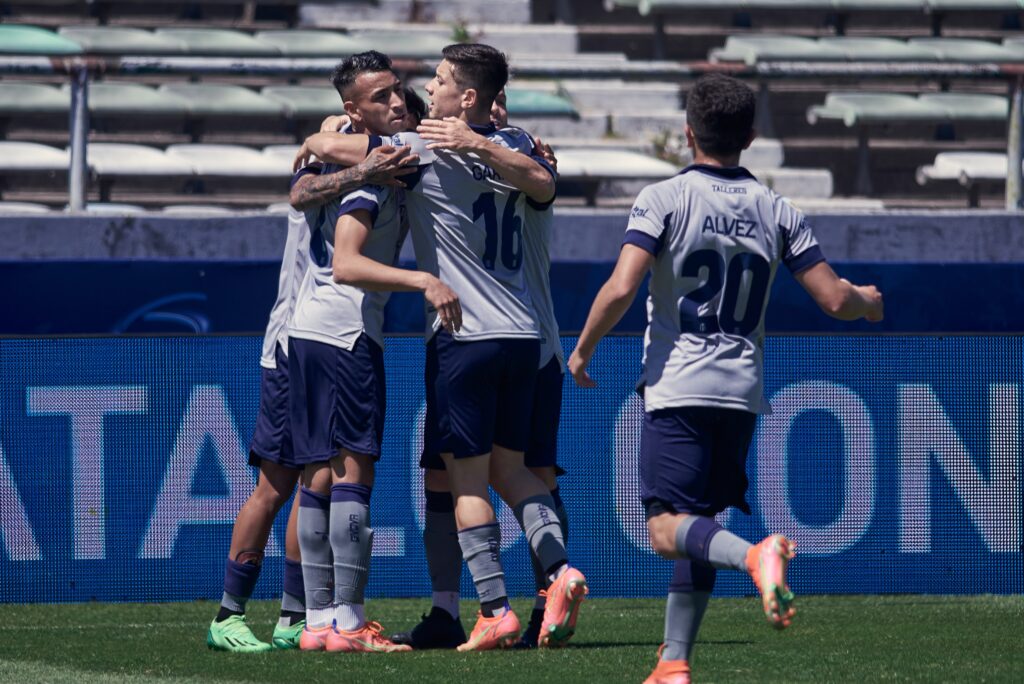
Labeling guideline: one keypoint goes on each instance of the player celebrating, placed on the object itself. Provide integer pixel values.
(271, 446)
(337, 371)
(441, 627)
(712, 238)
(466, 212)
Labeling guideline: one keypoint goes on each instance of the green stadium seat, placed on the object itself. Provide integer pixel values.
(399, 45)
(758, 48)
(17, 97)
(27, 156)
(969, 106)
(199, 41)
(108, 98)
(232, 161)
(878, 49)
(304, 102)
(861, 108)
(211, 99)
(970, 169)
(119, 40)
(119, 159)
(311, 43)
(526, 102)
(31, 40)
(967, 50)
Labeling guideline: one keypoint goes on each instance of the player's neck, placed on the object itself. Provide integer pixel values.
(708, 160)
(476, 119)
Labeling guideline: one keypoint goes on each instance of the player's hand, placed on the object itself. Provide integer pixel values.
(578, 369)
(543, 150)
(334, 123)
(303, 158)
(876, 305)
(446, 302)
(449, 133)
(385, 164)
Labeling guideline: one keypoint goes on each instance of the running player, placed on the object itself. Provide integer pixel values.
(337, 372)
(467, 218)
(441, 627)
(712, 238)
(271, 446)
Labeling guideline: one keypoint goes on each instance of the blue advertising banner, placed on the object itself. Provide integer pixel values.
(894, 461)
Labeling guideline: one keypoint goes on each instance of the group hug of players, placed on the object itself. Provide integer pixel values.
(477, 197)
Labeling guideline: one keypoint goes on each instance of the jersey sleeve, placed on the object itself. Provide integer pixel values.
(312, 169)
(368, 197)
(649, 221)
(800, 248)
(418, 147)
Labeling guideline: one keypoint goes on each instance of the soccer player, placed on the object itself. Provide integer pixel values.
(467, 212)
(337, 370)
(712, 238)
(271, 447)
(441, 628)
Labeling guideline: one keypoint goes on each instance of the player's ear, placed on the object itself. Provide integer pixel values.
(352, 111)
(469, 99)
(691, 141)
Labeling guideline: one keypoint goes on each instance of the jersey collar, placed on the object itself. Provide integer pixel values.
(728, 172)
(484, 130)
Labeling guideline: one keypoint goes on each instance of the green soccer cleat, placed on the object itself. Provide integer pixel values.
(234, 635)
(288, 637)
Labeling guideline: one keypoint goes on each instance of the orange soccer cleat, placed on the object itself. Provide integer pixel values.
(669, 671)
(500, 631)
(367, 639)
(766, 563)
(564, 597)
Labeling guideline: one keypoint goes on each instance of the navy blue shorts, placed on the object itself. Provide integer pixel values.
(547, 411)
(337, 400)
(272, 438)
(479, 394)
(693, 459)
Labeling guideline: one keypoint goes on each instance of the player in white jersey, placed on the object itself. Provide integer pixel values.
(337, 370)
(437, 629)
(466, 212)
(271, 450)
(712, 238)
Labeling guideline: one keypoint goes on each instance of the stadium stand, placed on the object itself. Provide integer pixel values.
(971, 170)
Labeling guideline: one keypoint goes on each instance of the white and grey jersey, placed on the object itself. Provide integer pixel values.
(537, 267)
(293, 269)
(467, 226)
(717, 236)
(334, 313)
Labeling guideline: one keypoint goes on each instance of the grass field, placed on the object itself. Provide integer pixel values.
(844, 638)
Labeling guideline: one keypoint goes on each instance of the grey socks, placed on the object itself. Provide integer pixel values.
(317, 569)
(481, 546)
(351, 543)
(683, 614)
(543, 531)
(703, 540)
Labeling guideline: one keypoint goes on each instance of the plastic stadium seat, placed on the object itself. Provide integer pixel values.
(1014, 45)
(113, 209)
(27, 156)
(849, 6)
(23, 208)
(966, 50)
(131, 98)
(312, 43)
(600, 164)
(31, 40)
(228, 160)
(32, 98)
(806, 183)
(878, 49)
(763, 153)
(859, 108)
(305, 101)
(757, 48)
(969, 106)
(118, 159)
(525, 102)
(402, 45)
(964, 167)
(667, 6)
(119, 40)
(281, 155)
(218, 42)
(206, 99)
(968, 5)
(197, 210)
(278, 208)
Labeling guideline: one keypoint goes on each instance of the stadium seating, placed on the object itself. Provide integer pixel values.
(31, 40)
(232, 161)
(23, 208)
(971, 170)
(207, 41)
(119, 40)
(27, 156)
(211, 99)
(751, 49)
(310, 43)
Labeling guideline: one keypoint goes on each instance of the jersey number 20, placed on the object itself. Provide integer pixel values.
(510, 229)
(730, 283)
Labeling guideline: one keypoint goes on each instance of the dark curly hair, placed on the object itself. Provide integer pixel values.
(480, 67)
(350, 68)
(720, 111)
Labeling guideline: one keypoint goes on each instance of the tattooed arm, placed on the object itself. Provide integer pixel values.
(383, 166)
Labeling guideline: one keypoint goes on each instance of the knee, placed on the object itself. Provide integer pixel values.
(269, 497)
(662, 531)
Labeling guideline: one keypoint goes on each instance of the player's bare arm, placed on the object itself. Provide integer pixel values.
(384, 166)
(351, 267)
(346, 149)
(518, 169)
(609, 307)
(840, 298)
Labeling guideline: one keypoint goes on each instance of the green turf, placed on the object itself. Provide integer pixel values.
(846, 638)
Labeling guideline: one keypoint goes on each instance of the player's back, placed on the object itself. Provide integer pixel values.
(718, 236)
(467, 224)
(293, 270)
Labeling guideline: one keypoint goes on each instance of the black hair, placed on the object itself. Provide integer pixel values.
(369, 62)
(720, 111)
(480, 67)
(414, 103)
